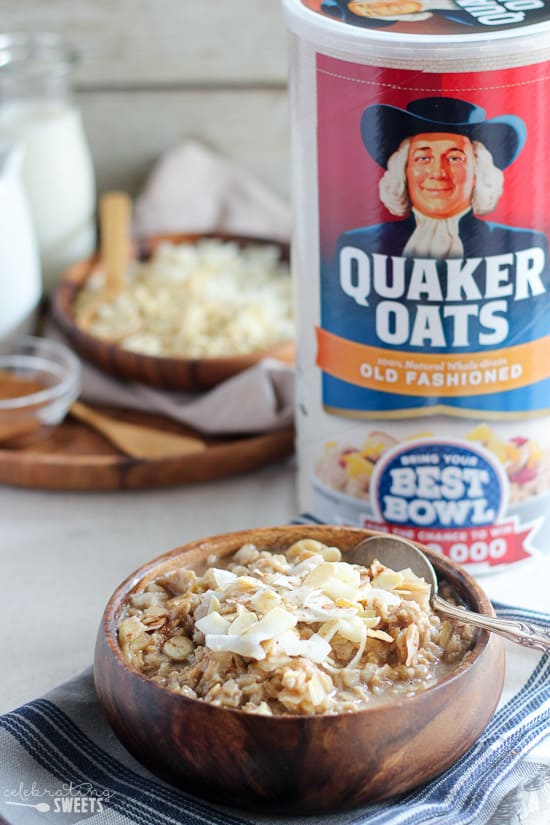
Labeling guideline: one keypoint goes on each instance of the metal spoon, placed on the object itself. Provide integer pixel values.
(398, 554)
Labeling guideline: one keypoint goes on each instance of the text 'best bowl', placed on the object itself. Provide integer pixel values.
(299, 763)
(173, 372)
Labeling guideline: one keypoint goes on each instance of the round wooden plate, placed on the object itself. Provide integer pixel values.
(76, 458)
(193, 374)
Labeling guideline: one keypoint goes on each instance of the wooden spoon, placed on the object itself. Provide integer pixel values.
(115, 209)
(136, 440)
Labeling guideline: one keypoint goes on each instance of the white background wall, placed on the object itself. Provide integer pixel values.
(154, 72)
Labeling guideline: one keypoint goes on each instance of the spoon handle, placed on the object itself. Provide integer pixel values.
(114, 217)
(523, 633)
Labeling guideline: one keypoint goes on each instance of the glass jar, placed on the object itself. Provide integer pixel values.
(37, 112)
(20, 283)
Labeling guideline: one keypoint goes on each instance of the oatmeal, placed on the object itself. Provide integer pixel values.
(300, 632)
(205, 299)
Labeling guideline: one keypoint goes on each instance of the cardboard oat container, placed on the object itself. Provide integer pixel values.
(422, 201)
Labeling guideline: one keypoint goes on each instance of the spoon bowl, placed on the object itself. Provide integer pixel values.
(398, 554)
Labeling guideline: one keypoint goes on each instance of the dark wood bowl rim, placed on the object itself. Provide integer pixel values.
(65, 292)
(466, 585)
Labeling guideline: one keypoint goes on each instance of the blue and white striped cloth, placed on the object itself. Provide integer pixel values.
(60, 748)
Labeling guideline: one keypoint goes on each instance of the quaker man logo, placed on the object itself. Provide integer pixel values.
(444, 162)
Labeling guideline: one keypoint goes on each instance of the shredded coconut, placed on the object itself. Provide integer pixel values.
(204, 299)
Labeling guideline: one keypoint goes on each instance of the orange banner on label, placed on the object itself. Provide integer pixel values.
(446, 375)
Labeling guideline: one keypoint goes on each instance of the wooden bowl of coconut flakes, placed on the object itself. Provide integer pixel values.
(196, 309)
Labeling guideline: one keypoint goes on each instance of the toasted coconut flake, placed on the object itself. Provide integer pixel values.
(331, 554)
(223, 578)
(388, 580)
(213, 623)
(244, 620)
(265, 601)
(379, 634)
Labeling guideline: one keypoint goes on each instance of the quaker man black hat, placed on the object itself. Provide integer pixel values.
(384, 127)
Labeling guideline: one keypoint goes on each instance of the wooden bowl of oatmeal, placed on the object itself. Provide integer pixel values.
(289, 680)
(196, 310)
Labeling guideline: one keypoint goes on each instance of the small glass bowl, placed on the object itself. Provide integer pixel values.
(39, 380)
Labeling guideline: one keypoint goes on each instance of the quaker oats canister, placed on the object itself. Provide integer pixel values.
(421, 132)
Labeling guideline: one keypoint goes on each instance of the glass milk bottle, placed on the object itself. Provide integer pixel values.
(20, 284)
(36, 112)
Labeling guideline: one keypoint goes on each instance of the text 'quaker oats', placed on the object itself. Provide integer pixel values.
(422, 195)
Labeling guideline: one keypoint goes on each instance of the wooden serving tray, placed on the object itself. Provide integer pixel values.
(74, 457)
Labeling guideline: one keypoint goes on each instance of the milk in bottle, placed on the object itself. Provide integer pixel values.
(37, 113)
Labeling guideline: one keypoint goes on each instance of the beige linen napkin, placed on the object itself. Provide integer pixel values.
(192, 189)
(259, 399)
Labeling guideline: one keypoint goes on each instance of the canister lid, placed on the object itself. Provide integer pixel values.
(401, 26)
